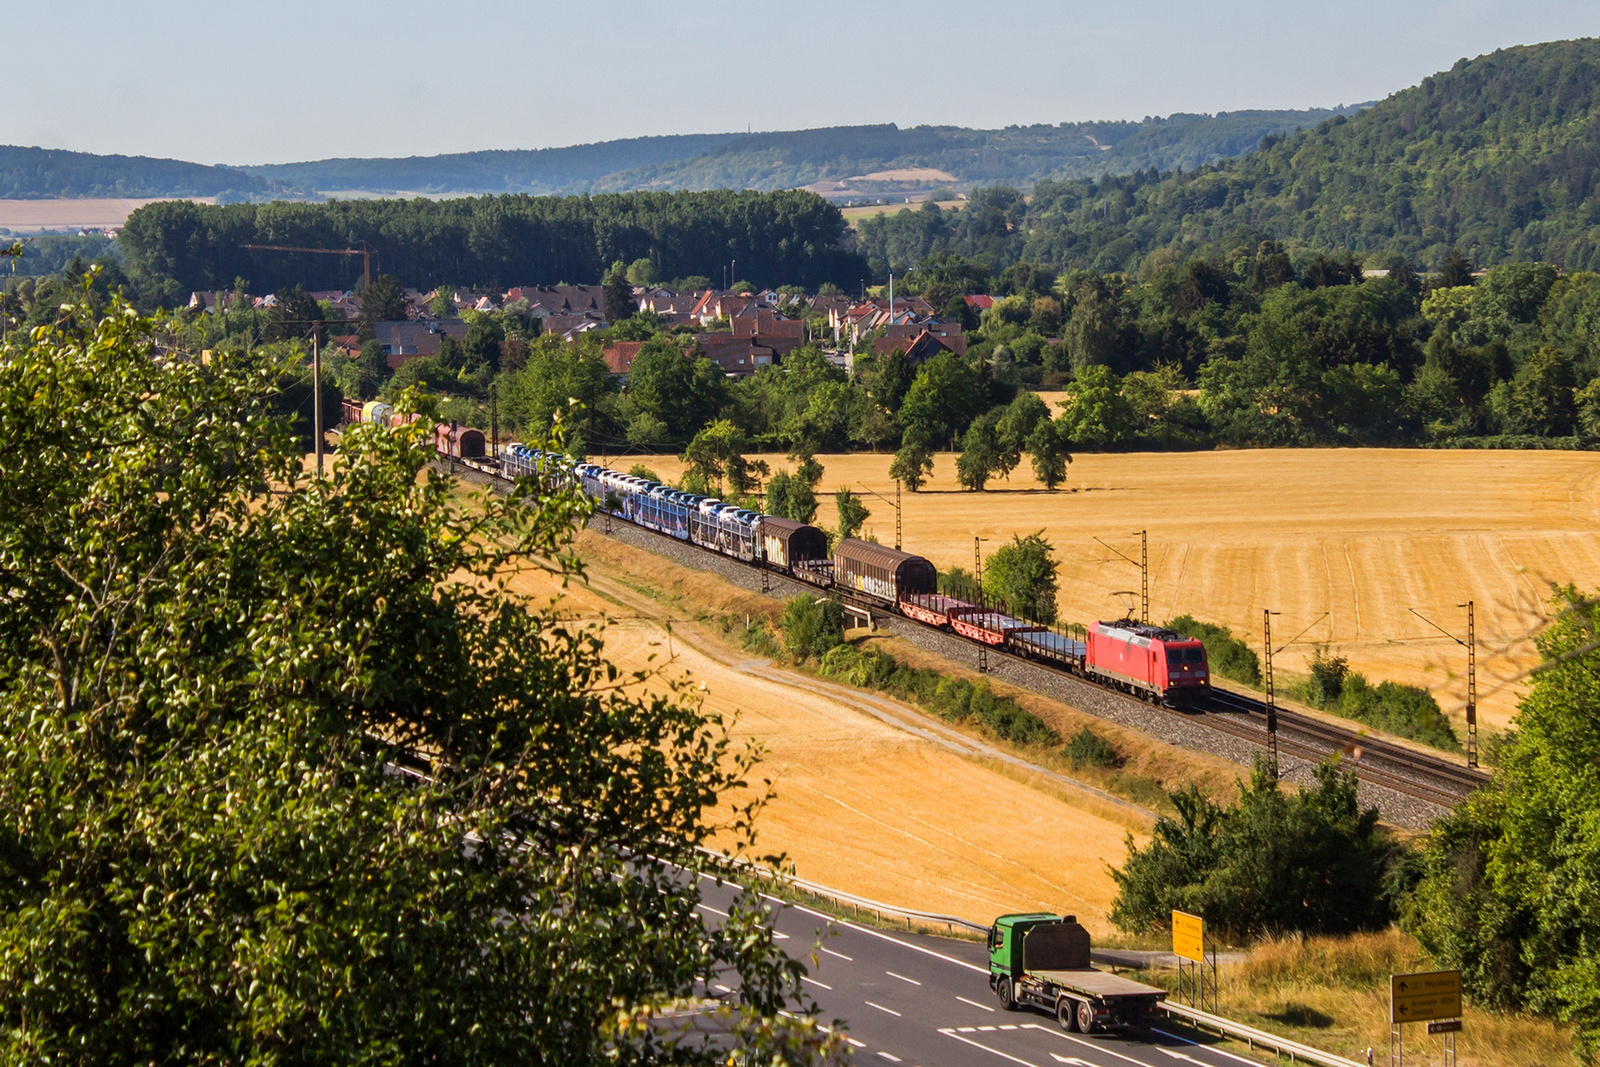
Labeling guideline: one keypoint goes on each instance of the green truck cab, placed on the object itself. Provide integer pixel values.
(1043, 960)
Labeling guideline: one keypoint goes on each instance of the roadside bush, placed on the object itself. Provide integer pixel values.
(1311, 862)
(1088, 749)
(639, 470)
(1225, 653)
(954, 700)
(811, 626)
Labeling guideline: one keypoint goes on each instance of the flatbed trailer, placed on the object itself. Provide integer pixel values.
(1043, 961)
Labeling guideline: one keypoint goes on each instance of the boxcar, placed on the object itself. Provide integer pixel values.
(462, 442)
(881, 573)
(786, 543)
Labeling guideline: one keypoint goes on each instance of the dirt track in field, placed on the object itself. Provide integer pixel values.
(862, 805)
(1362, 534)
(94, 213)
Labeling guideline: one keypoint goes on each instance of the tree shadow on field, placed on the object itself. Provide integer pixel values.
(1300, 1015)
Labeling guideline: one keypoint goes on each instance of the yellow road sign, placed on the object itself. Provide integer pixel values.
(1420, 998)
(1188, 936)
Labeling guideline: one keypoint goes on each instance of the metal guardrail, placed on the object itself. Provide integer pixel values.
(1253, 1037)
(877, 907)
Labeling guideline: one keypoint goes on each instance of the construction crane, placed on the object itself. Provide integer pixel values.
(365, 252)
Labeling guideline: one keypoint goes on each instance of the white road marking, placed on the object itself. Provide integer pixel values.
(966, 1029)
(1178, 1055)
(1003, 1055)
(880, 1007)
(722, 988)
(988, 1029)
(1008, 1026)
(1208, 1048)
(714, 911)
(1070, 1059)
(884, 937)
(841, 955)
(891, 1059)
(779, 936)
(813, 981)
(902, 977)
(975, 1004)
(1087, 1044)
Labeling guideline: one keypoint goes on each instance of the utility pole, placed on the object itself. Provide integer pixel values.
(1272, 707)
(977, 561)
(316, 398)
(1471, 645)
(1144, 578)
(494, 420)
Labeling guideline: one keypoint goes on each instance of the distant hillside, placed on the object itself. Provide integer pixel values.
(43, 173)
(1499, 156)
(536, 171)
(1016, 154)
(695, 162)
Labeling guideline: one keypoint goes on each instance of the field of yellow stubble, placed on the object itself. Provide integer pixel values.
(859, 804)
(1362, 534)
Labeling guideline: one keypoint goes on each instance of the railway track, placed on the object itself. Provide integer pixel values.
(1435, 779)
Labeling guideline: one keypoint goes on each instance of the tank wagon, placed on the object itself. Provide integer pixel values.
(1151, 662)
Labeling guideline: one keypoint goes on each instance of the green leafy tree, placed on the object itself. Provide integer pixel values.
(371, 370)
(717, 453)
(789, 496)
(292, 776)
(981, 453)
(382, 301)
(618, 294)
(1017, 423)
(442, 306)
(912, 465)
(642, 272)
(1094, 333)
(681, 393)
(1024, 575)
(1094, 413)
(942, 400)
(852, 512)
(1505, 892)
(1047, 452)
(1311, 862)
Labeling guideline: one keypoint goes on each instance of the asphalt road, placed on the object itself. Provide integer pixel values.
(925, 1002)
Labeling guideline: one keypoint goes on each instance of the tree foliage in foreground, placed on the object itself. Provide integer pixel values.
(1510, 888)
(1308, 862)
(208, 667)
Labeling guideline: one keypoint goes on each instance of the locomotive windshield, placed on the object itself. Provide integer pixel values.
(1178, 656)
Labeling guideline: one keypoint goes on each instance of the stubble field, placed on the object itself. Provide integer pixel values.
(859, 804)
(1364, 535)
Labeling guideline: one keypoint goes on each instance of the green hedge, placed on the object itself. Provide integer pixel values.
(952, 699)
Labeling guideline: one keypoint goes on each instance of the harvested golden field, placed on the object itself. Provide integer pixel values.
(28, 216)
(861, 804)
(1362, 534)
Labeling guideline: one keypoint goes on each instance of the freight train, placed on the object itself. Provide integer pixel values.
(1150, 662)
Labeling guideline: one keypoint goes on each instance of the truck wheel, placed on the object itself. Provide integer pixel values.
(1002, 989)
(1085, 1017)
(1067, 1015)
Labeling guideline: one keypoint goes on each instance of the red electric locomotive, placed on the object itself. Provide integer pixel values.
(1150, 661)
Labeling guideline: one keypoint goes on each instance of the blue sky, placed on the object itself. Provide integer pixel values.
(284, 80)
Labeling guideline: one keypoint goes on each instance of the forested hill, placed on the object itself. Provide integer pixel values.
(1016, 154)
(37, 173)
(762, 161)
(1499, 156)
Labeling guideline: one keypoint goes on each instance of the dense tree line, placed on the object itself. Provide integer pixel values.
(490, 242)
(1497, 156)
